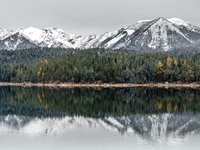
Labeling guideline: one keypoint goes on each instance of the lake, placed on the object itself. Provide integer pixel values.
(87, 119)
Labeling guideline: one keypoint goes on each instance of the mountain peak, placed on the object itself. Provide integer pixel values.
(31, 29)
(160, 18)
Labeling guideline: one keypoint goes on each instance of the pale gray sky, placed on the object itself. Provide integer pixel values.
(92, 16)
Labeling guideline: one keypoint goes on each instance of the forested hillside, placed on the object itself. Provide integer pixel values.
(98, 66)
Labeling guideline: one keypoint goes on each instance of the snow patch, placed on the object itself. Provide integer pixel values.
(34, 34)
(114, 41)
(179, 22)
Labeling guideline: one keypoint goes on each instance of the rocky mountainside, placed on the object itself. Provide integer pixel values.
(158, 34)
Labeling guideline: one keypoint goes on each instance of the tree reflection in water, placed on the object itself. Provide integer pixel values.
(97, 103)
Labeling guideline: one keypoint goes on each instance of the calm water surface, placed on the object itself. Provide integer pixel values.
(126, 118)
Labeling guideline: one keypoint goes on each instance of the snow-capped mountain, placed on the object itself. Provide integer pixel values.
(158, 34)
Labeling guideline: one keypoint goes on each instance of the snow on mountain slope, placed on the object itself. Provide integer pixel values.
(34, 34)
(156, 34)
(184, 24)
(17, 41)
(59, 37)
(159, 34)
(190, 31)
(178, 22)
(123, 35)
(99, 40)
(49, 37)
(5, 33)
(132, 28)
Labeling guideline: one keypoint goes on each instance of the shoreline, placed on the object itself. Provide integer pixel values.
(103, 85)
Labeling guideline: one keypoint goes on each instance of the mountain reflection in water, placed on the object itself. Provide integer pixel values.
(147, 112)
(153, 127)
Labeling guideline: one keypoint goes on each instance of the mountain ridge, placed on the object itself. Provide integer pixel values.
(158, 34)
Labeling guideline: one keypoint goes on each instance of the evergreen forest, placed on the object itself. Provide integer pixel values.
(98, 66)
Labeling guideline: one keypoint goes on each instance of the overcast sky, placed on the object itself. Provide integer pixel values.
(92, 16)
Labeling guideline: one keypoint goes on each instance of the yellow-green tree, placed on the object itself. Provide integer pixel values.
(19, 74)
(160, 104)
(39, 73)
(175, 62)
(160, 65)
(169, 61)
(184, 62)
(46, 62)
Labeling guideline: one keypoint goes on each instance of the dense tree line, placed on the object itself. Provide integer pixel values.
(101, 66)
(17, 56)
